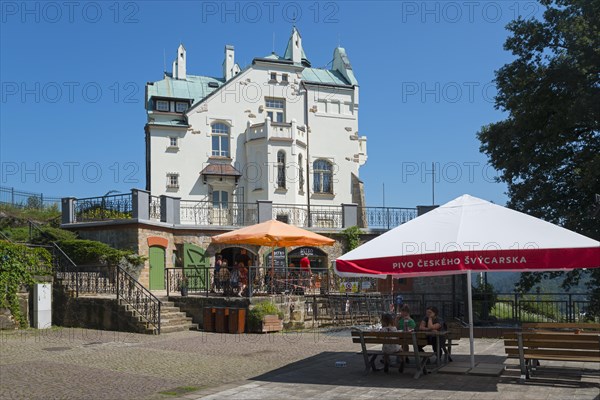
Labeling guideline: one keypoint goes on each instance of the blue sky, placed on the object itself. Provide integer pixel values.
(72, 113)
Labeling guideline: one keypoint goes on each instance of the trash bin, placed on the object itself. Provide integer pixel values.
(209, 319)
(237, 320)
(222, 320)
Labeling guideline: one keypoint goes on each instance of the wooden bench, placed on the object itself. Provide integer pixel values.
(452, 338)
(561, 326)
(404, 339)
(531, 346)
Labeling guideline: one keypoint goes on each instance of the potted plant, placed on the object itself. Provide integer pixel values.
(184, 286)
(265, 317)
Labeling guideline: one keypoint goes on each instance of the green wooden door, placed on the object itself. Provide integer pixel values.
(157, 268)
(196, 264)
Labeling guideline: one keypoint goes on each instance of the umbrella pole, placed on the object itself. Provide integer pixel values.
(272, 268)
(470, 302)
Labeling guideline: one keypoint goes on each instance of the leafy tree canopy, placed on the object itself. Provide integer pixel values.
(548, 148)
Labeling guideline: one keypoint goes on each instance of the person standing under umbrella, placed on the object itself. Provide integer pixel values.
(305, 271)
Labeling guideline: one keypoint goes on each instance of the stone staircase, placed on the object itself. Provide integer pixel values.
(172, 319)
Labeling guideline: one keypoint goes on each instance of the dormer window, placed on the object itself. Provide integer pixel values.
(181, 107)
(162, 105)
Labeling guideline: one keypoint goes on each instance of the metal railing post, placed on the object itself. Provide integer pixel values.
(168, 281)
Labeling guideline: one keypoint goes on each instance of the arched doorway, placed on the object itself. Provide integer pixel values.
(157, 268)
(318, 258)
(318, 265)
(239, 254)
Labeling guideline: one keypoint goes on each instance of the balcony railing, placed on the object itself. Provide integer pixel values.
(384, 217)
(206, 213)
(142, 205)
(320, 216)
(118, 206)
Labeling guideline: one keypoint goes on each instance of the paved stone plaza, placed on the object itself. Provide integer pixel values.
(85, 364)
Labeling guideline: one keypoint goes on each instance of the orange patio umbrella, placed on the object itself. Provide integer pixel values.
(273, 233)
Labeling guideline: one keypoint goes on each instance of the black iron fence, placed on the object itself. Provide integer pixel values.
(546, 307)
(366, 308)
(247, 282)
(117, 206)
(22, 199)
(384, 217)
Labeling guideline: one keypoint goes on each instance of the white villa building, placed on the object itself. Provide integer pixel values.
(277, 130)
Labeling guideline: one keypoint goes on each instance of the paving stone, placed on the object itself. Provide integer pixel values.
(112, 365)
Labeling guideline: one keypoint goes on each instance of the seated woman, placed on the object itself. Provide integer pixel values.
(432, 323)
(388, 325)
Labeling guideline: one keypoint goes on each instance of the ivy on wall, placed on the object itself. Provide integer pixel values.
(352, 235)
(17, 263)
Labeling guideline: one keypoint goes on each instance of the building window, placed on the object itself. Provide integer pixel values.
(301, 173)
(173, 141)
(273, 76)
(285, 218)
(173, 181)
(220, 140)
(181, 107)
(322, 176)
(284, 78)
(275, 109)
(220, 199)
(162, 105)
(281, 169)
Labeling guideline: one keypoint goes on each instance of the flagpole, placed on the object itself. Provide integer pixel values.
(470, 303)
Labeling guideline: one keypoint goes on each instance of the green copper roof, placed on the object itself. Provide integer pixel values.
(193, 87)
(288, 50)
(272, 56)
(166, 120)
(323, 76)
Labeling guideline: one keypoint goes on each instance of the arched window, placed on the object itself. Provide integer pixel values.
(281, 169)
(301, 173)
(322, 176)
(220, 139)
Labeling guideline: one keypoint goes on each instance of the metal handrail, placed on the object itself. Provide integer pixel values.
(141, 306)
(124, 280)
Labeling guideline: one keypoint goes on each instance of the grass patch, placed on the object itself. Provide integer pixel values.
(180, 390)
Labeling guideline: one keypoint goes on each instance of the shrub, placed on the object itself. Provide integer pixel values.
(258, 312)
(92, 252)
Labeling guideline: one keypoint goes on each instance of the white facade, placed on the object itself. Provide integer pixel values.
(257, 133)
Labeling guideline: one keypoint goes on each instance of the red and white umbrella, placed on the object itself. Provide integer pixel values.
(466, 235)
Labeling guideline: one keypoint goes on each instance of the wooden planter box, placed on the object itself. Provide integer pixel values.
(270, 323)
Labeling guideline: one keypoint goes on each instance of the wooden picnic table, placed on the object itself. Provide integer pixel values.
(404, 339)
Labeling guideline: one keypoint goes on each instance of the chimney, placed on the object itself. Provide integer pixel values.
(229, 62)
(179, 65)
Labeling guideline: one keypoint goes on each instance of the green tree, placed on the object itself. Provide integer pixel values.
(548, 148)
